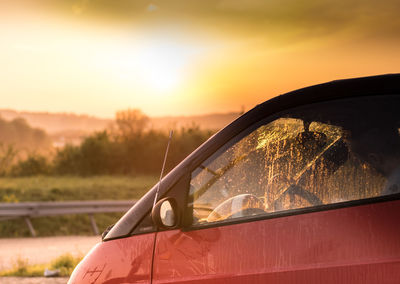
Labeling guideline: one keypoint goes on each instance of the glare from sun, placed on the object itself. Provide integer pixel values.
(162, 67)
(156, 66)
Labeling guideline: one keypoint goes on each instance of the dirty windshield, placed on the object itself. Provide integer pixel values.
(286, 164)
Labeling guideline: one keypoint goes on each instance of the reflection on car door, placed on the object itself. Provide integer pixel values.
(347, 245)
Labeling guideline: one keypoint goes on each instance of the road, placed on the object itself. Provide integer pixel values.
(33, 280)
(41, 250)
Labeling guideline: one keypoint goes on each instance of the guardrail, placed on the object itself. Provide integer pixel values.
(28, 210)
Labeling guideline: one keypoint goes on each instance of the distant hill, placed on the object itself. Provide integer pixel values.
(207, 121)
(54, 123)
(71, 128)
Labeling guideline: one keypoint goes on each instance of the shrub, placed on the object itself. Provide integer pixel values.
(65, 264)
(33, 165)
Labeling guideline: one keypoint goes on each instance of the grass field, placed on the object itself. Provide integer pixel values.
(43, 188)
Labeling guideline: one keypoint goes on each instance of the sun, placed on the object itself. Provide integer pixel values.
(156, 66)
(162, 67)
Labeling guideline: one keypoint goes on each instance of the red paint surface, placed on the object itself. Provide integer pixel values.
(125, 260)
(350, 245)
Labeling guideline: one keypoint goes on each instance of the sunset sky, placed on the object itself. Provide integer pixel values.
(185, 57)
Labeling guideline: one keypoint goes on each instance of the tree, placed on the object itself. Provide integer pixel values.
(131, 122)
(7, 156)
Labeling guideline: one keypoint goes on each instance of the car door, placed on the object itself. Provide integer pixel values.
(303, 196)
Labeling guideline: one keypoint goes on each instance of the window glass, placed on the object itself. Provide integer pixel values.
(315, 155)
(145, 226)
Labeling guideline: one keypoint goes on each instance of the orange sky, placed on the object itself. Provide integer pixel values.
(185, 57)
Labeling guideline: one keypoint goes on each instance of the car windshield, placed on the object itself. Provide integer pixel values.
(292, 163)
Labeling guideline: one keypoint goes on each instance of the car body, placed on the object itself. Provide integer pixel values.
(303, 188)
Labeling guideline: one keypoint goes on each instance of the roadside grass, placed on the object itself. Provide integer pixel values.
(63, 188)
(65, 264)
(50, 188)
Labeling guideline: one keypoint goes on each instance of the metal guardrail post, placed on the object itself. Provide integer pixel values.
(30, 226)
(94, 225)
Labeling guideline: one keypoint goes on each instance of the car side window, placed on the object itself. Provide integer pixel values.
(145, 226)
(306, 157)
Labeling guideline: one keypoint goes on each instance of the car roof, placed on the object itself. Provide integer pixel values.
(338, 89)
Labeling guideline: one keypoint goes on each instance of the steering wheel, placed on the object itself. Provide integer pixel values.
(201, 212)
(237, 206)
(293, 190)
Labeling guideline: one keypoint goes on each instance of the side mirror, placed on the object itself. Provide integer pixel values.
(165, 213)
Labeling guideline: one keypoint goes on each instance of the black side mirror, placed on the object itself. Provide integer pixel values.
(165, 213)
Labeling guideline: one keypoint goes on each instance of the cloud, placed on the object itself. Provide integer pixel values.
(152, 7)
(287, 20)
(312, 18)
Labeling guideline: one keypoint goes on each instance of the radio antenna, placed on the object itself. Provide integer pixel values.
(163, 166)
